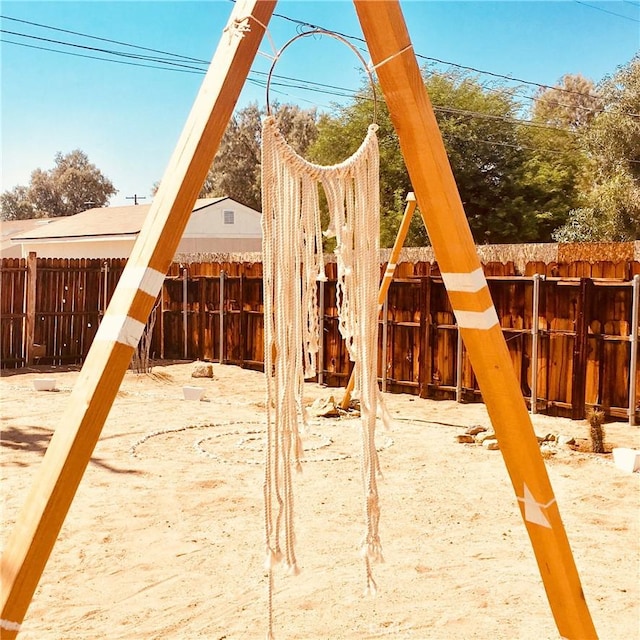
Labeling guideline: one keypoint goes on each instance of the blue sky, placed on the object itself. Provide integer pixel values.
(128, 118)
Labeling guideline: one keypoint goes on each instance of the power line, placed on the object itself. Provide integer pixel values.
(86, 35)
(611, 13)
(124, 54)
(307, 25)
(291, 83)
(288, 81)
(84, 55)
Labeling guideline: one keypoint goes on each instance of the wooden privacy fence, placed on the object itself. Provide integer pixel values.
(573, 338)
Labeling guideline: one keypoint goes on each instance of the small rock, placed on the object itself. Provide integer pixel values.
(547, 450)
(202, 370)
(324, 408)
(485, 435)
(565, 439)
(490, 444)
(474, 431)
(465, 438)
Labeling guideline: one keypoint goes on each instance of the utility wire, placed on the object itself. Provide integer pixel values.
(611, 13)
(301, 26)
(86, 35)
(292, 82)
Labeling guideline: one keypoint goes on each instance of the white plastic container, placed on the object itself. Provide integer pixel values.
(44, 384)
(193, 393)
(626, 459)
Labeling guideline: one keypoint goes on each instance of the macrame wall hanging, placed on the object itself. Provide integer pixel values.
(293, 263)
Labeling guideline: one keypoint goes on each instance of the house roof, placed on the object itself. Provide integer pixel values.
(97, 222)
(12, 228)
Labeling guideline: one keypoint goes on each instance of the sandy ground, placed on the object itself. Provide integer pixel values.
(164, 538)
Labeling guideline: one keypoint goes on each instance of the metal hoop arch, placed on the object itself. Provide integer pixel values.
(335, 36)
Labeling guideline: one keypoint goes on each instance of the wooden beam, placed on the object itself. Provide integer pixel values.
(38, 524)
(30, 311)
(432, 179)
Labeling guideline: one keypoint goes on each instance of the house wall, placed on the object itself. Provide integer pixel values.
(69, 248)
(219, 245)
(210, 221)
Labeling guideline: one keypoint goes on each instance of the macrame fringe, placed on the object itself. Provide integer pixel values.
(293, 264)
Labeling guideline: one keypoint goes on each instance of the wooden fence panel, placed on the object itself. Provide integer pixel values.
(253, 329)
(444, 341)
(69, 303)
(403, 333)
(583, 345)
(13, 283)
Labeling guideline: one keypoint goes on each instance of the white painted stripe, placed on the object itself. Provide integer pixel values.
(477, 319)
(533, 510)
(122, 329)
(8, 625)
(146, 279)
(465, 282)
(391, 266)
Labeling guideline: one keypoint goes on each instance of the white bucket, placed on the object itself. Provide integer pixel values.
(44, 384)
(626, 459)
(193, 393)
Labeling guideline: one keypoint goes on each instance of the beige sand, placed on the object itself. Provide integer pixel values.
(164, 538)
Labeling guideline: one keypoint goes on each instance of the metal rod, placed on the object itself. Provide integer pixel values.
(184, 312)
(633, 360)
(104, 289)
(459, 365)
(162, 322)
(221, 311)
(321, 336)
(535, 337)
(385, 329)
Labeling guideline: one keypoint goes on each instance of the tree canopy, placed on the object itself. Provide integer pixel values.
(567, 170)
(73, 185)
(611, 210)
(235, 171)
(513, 184)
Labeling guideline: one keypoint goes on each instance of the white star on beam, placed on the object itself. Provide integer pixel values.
(533, 509)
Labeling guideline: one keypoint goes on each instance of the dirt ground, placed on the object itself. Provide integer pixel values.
(164, 538)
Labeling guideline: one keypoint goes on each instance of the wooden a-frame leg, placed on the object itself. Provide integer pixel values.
(426, 159)
(34, 534)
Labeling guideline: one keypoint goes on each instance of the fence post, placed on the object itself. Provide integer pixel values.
(385, 330)
(184, 311)
(30, 307)
(164, 284)
(321, 332)
(458, 365)
(221, 311)
(105, 285)
(202, 319)
(425, 337)
(578, 378)
(633, 360)
(535, 337)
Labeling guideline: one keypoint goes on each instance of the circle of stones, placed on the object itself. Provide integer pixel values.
(247, 436)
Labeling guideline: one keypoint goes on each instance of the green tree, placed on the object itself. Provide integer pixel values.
(73, 185)
(612, 143)
(15, 205)
(235, 171)
(514, 187)
(571, 103)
